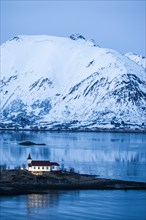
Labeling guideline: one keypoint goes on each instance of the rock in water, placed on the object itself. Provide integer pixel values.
(30, 143)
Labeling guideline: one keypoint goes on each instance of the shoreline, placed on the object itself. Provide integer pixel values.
(77, 130)
(18, 182)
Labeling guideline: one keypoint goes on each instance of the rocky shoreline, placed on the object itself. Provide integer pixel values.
(16, 182)
(123, 130)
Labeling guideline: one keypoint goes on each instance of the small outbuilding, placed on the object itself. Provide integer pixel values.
(41, 165)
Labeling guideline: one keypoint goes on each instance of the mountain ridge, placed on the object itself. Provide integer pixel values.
(70, 83)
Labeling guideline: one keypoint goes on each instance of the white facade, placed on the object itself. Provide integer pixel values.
(54, 168)
(41, 166)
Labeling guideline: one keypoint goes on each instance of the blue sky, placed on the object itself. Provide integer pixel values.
(119, 25)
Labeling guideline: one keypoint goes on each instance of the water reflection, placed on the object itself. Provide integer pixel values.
(42, 200)
(105, 154)
(84, 204)
(50, 200)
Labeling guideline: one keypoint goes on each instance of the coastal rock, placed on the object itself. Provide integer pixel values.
(24, 182)
(28, 143)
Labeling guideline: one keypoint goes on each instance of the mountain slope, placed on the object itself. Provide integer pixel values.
(137, 58)
(69, 83)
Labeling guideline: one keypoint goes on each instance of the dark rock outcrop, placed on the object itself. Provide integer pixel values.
(30, 143)
(24, 182)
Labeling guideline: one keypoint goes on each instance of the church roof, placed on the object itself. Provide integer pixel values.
(29, 157)
(43, 163)
(40, 163)
(54, 164)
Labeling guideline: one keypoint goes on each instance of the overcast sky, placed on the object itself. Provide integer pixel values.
(117, 24)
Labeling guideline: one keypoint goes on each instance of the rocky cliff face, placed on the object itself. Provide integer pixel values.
(70, 83)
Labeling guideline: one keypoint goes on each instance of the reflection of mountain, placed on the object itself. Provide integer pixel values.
(107, 162)
(98, 155)
(19, 154)
(104, 154)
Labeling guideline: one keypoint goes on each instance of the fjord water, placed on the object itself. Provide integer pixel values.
(110, 155)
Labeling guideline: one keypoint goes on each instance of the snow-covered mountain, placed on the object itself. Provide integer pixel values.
(139, 59)
(70, 83)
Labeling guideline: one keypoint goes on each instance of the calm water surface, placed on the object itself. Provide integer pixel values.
(111, 155)
(85, 205)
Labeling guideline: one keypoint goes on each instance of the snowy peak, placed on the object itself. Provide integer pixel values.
(77, 37)
(80, 37)
(68, 83)
(139, 59)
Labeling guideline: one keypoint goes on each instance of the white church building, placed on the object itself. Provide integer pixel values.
(41, 165)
